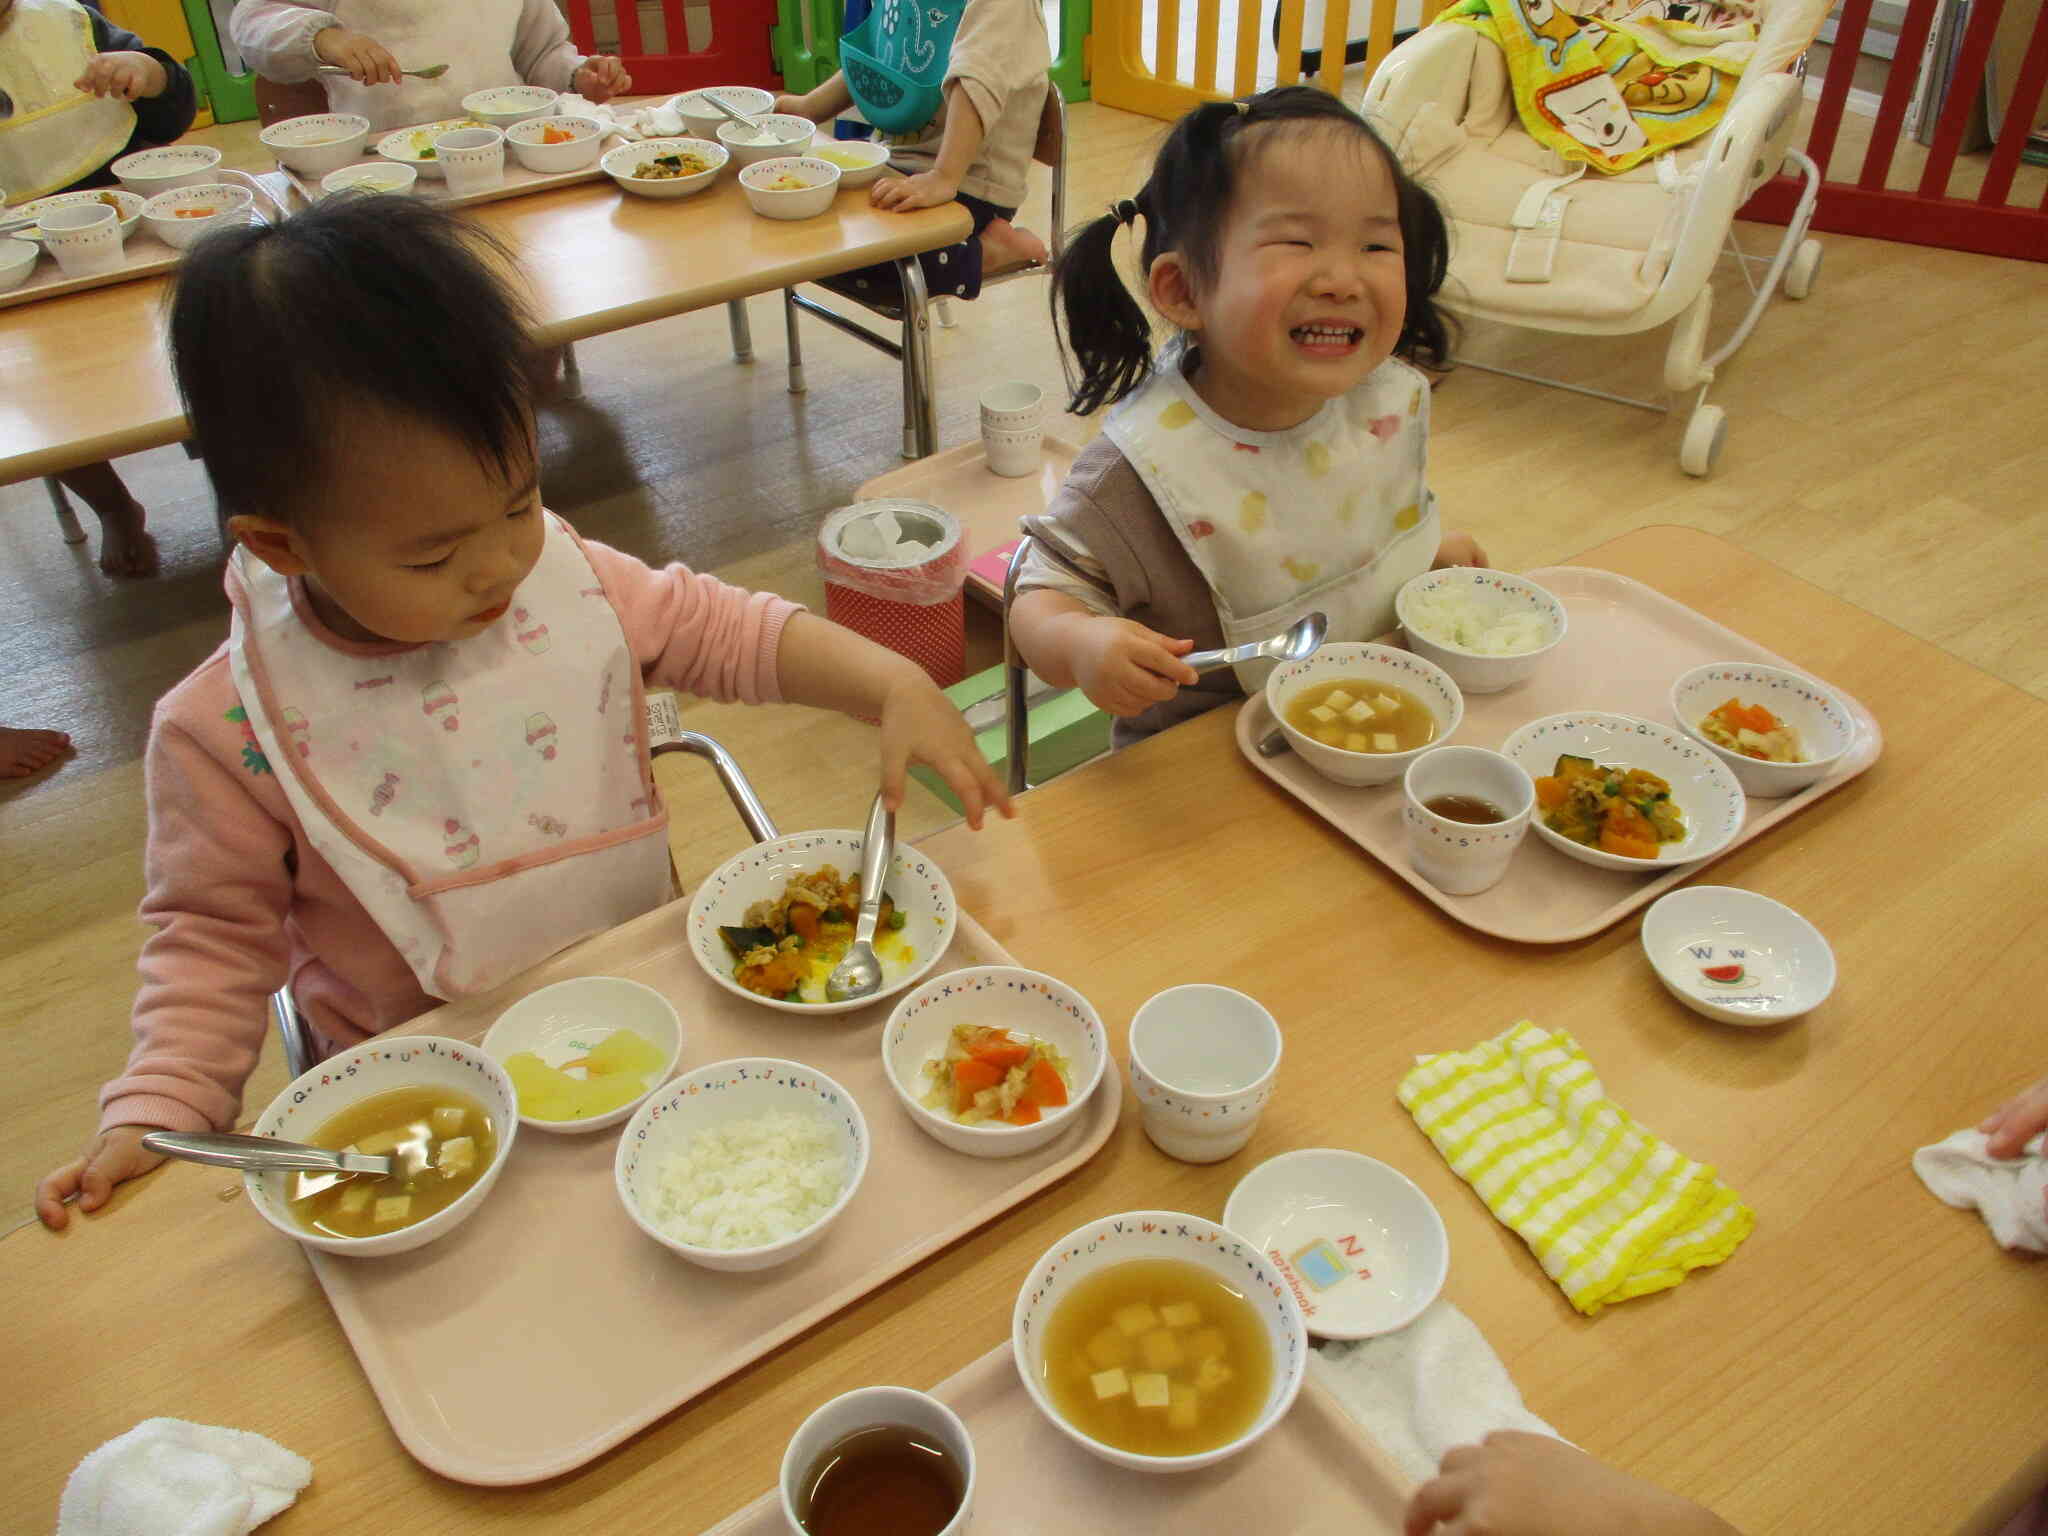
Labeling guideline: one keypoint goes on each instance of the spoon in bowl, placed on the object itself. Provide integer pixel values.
(859, 974)
(260, 1154)
(737, 116)
(1296, 644)
(431, 72)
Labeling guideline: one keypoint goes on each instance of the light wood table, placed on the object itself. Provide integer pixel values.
(1869, 1360)
(86, 377)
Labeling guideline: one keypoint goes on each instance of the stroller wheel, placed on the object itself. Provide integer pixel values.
(1800, 271)
(1704, 435)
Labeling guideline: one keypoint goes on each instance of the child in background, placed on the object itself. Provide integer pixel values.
(419, 763)
(483, 43)
(85, 92)
(1270, 461)
(976, 151)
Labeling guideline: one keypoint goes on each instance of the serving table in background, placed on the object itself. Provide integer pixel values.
(1867, 1359)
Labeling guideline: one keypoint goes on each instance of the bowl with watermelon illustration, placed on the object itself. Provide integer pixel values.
(1737, 957)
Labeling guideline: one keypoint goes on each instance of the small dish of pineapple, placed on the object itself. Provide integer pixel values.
(583, 1054)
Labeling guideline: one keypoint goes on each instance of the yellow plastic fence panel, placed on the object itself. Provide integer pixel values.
(1169, 83)
(161, 24)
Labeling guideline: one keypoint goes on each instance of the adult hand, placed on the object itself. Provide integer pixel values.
(1126, 668)
(368, 61)
(2016, 1122)
(927, 189)
(599, 78)
(1517, 1484)
(125, 76)
(115, 1156)
(1458, 548)
(920, 724)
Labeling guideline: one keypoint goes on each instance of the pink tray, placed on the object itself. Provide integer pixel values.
(548, 1328)
(1315, 1473)
(1626, 644)
(517, 183)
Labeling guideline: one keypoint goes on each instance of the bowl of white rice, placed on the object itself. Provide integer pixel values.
(1487, 629)
(743, 1164)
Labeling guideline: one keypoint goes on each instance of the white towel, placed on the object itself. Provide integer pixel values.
(1428, 1387)
(2010, 1192)
(166, 1477)
(660, 121)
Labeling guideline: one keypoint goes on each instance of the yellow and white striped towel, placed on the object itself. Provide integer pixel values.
(1609, 1210)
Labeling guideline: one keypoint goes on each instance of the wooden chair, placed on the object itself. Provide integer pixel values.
(912, 345)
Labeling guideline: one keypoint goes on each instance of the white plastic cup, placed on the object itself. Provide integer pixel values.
(872, 1408)
(472, 159)
(84, 237)
(1203, 1060)
(1013, 427)
(1464, 858)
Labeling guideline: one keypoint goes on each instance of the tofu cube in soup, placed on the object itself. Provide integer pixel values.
(1357, 741)
(1359, 712)
(1137, 1318)
(1108, 1384)
(1183, 1408)
(1338, 699)
(1180, 1314)
(1110, 1346)
(1161, 1349)
(392, 1209)
(1206, 1344)
(357, 1197)
(447, 1121)
(1384, 741)
(1149, 1390)
(1322, 714)
(381, 1143)
(456, 1157)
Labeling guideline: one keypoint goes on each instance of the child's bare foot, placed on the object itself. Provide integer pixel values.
(1003, 244)
(126, 547)
(25, 752)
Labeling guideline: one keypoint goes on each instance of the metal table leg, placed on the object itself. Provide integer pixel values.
(920, 408)
(67, 519)
(742, 337)
(796, 344)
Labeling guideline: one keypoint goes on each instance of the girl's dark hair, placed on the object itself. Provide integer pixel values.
(359, 301)
(1185, 204)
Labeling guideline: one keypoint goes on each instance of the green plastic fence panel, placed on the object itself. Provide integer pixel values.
(805, 63)
(232, 97)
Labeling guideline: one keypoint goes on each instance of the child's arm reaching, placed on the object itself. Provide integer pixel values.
(1518, 1484)
(2013, 1124)
(826, 100)
(1119, 664)
(1458, 548)
(958, 145)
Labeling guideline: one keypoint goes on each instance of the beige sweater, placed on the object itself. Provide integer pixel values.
(1000, 57)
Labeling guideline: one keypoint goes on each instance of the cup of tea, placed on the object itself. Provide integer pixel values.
(1013, 427)
(1203, 1061)
(84, 237)
(1466, 811)
(879, 1461)
(472, 159)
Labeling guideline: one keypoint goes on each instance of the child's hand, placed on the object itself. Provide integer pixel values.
(124, 76)
(2012, 1125)
(368, 61)
(115, 1156)
(600, 78)
(927, 189)
(920, 724)
(1531, 1485)
(1126, 668)
(786, 105)
(1458, 548)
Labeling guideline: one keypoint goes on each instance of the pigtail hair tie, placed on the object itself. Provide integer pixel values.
(1124, 211)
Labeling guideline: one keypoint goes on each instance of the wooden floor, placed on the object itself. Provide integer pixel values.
(1885, 442)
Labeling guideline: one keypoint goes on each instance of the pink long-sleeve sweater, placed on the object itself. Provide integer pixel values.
(241, 902)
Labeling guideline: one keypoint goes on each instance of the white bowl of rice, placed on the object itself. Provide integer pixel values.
(743, 1164)
(1488, 629)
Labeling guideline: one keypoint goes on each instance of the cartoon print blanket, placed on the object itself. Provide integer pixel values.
(1614, 91)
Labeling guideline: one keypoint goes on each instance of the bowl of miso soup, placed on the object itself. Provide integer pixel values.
(1360, 713)
(443, 1111)
(1159, 1341)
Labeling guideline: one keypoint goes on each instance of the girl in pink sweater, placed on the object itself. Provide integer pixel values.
(419, 763)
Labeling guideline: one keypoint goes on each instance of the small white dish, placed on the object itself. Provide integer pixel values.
(1373, 664)
(1362, 1248)
(1231, 1257)
(860, 161)
(715, 1095)
(85, 239)
(181, 216)
(127, 208)
(914, 882)
(381, 1065)
(529, 146)
(1500, 595)
(1735, 956)
(621, 163)
(387, 177)
(500, 106)
(874, 1408)
(150, 171)
(563, 1022)
(1826, 728)
(998, 997)
(415, 146)
(17, 260)
(786, 135)
(701, 120)
(1706, 792)
(318, 143)
(820, 180)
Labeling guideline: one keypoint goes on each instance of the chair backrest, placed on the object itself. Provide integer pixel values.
(1051, 150)
(276, 102)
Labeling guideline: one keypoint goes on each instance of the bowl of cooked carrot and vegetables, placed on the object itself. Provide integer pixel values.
(1777, 731)
(1626, 794)
(552, 145)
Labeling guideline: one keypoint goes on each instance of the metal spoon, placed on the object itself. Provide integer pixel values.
(1297, 643)
(260, 1154)
(431, 72)
(738, 117)
(860, 973)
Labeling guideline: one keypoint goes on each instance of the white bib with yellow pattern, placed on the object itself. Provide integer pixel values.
(57, 134)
